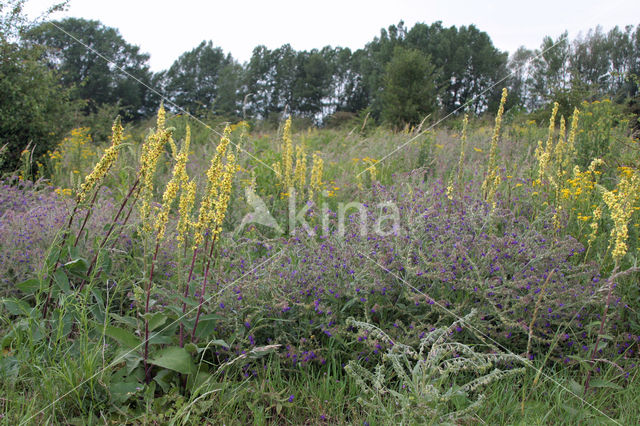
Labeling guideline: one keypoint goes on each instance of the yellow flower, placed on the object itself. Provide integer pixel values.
(102, 167)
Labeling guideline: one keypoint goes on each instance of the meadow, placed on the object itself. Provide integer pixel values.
(479, 271)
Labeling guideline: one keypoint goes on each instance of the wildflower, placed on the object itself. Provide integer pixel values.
(463, 142)
(171, 191)
(151, 151)
(102, 167)
(492, 180)
(300, 176)
(287, 155)
(620, 202)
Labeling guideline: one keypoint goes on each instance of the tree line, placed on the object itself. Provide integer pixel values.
(400, 77)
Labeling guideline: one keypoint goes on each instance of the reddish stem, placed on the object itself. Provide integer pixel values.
(55, 267)
(126, 219)
(186, 294)
(204, 288)
(147, 367)
(106, 237)
(86, 218)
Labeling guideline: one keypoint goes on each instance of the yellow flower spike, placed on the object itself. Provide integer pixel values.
(102, 167)
(463, 143)
(287, 155)
(620, 202)
(300, 176)
(151, 151)
(215, 173)
(171, 191)
(492, 178)
(316, 175)
(225, 189)
(187, 200)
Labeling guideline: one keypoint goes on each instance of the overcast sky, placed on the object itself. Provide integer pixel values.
(166, 29)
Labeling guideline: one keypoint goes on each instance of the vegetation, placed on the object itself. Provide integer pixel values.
(484, 270)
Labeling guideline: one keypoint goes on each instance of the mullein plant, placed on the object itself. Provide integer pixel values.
(463, 147)
(291, 171)
(621, 203)
(202, 232)
(207, 226)
(92, 183)
(492, 178)
(142, 187)
(160, 227)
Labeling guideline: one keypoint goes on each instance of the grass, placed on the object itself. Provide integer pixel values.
(274, 335)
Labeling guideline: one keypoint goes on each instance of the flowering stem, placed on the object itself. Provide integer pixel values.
(186, 294)
(113, 224)
(126, 219)
(86, 218)
(65, 235)
(147, 368)
(204, 288)
(610, 283)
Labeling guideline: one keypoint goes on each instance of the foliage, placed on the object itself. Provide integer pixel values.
(409, 93)
(33, 103)
(437, 381)
(124, 80)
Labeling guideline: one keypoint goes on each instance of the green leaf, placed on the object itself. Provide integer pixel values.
(130, 321)
(599, 383)
(78, 266)
(174, 358)
(122, 336)
(206, 325)
(105, 264)
(196, 381)
(60, 277)
(29, 286)
(52, 258)
(16, 306)
(155, 319)
(121, 391)
(576, 387)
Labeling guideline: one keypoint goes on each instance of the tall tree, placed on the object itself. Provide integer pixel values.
(123, 79)
(34, 107)
(193, 80)
(409, 92)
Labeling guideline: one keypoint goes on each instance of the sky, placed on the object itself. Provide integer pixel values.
(166, 29)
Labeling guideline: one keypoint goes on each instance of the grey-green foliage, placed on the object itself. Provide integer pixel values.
(439, 382)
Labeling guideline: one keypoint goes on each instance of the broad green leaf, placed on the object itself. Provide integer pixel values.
(174, 358)
(206, 325)
(128, 320)
(155, 319)
(29, 286)
(122, 336)
(121, 391)
(16, 306)
(60, 277)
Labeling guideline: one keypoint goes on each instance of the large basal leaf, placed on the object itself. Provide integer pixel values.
(122, 336)
(16, 306)
(60, 277)
(29, 286)
(174, 358)
(77, 266)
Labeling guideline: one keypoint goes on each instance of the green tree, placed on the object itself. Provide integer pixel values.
(94, 79)
(34, 107)
(312, 84)
(194, 79)
(409, 88)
